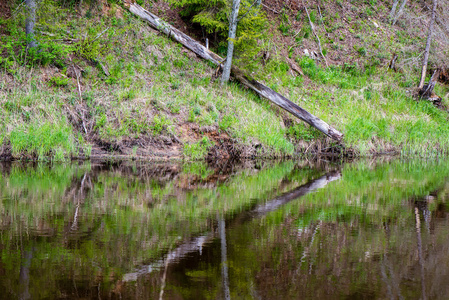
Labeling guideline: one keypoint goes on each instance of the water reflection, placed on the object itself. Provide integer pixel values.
(263, 230)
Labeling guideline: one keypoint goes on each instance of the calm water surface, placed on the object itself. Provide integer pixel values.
(373, 229)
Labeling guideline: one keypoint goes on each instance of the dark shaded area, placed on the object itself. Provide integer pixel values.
(5, 9)
(5, 153)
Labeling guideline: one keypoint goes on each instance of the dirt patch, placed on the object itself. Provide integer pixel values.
(444, 75)
(5, 9)
(5, 153)
(171, 15)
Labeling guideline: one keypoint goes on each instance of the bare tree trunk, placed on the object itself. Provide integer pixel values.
(399, 12)
(429, 39)
(392, 64)
(426, 92)
(232, 32)
(30, 21)
(439, 21)
(393, 9)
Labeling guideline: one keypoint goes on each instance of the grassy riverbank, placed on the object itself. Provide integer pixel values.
(149, 97)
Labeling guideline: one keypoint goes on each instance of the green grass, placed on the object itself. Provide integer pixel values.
(199, 149)
(44, 139)
(155, 86)
(371, 108)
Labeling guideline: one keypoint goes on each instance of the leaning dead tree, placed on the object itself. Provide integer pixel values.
(429, 39)
(316, 35)
(261, 89)
(395, 15)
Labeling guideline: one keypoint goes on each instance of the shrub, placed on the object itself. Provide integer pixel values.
(212, 17)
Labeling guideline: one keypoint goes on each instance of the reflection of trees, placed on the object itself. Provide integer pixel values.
(224, 258)
(184, 252)
(364, 250)
(94, 221)
(97, 224)
(358, 259)
(24, 275)
(420, 254)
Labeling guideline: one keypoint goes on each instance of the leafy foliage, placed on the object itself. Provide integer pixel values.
(212, 17)
(13, 49)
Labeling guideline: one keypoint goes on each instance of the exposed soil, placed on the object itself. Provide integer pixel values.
(5, 10)
(5, 153)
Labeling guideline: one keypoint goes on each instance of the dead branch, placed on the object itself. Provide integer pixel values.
(316, 35)
(429, 39)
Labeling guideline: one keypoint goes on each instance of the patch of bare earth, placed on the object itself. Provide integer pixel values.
(5, 9)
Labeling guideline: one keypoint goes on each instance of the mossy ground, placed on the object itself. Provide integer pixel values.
(159, 100)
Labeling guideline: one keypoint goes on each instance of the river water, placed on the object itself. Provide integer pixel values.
(370, 229)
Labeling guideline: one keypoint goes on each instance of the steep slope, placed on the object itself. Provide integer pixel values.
(110, 85)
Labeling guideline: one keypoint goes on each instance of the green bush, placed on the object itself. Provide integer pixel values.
(212, 17)
(59, 81)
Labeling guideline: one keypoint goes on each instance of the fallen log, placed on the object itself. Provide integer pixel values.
(256, 86)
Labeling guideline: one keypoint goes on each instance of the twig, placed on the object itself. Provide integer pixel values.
(269, 8)
(399, 12)
(300, 29)
(81, 96)
(78, 82)
(413, 59)
(319, 10)
(100, 34)
(256, 2)
(295, 68)
(316, 35)
(17, 8)
(103, 67)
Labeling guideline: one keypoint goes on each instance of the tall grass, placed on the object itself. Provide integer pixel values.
(372, 109)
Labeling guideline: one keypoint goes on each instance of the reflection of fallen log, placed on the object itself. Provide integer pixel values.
(298, 192)
(197, 244)
(256, 86)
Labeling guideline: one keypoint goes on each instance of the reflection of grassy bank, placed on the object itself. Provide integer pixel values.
(355, 237)
(96, 224)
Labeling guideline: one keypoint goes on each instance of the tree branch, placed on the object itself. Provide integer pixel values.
(256, 2)
(316, 35)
